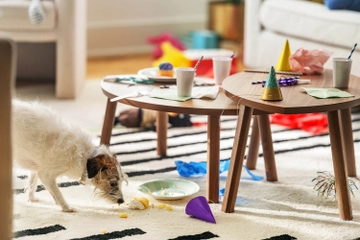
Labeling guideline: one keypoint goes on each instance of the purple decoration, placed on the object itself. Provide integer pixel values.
(198, 207)
(165, 66)
(284, 81)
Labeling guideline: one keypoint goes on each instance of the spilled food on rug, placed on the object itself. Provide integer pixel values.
(287, 209)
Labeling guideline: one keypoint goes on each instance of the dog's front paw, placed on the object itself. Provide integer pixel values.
(68, 209)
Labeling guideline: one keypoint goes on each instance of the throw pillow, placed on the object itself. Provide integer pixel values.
(353, 5)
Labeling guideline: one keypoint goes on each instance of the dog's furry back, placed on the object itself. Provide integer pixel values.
(41, 136)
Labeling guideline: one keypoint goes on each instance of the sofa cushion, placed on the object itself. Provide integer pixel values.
(14, 16)
(311, 21)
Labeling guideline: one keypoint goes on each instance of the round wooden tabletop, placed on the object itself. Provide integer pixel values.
(222, 105)
(239, 87)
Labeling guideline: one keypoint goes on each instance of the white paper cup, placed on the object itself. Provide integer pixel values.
(184, 81)
(341, 72)
(221, 68)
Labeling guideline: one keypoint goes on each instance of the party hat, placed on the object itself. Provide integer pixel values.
(283, 62)
(271, 90)
(198, 207)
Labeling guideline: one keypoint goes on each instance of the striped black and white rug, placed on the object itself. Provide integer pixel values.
(287, 209)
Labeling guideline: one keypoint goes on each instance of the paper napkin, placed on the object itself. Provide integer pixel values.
(197, 92)
(327, 93)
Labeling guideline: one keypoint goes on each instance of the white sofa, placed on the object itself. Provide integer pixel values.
(64, 25)
(308, 25)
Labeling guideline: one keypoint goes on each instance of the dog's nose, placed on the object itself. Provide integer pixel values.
(120, 200)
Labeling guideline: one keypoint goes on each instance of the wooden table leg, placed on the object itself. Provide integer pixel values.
(348, 141)
(253, 150)
(108, 122)
(267, 145)
(342, 185)
(161, 129)
(213, 159)
(237, 158)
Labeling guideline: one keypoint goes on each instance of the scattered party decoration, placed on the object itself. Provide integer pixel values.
(325, 185)
(199, 168)
(315, 123)
(283, 62)
(198, 207)
(309, 61)
(286, 81)
(277, 72)
(271, 90)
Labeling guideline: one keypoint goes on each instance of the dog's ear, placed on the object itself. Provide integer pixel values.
(93, 166)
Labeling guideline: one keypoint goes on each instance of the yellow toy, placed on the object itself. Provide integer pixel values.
(173, 56)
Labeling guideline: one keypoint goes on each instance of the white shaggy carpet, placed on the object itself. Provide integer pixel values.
(287, 209)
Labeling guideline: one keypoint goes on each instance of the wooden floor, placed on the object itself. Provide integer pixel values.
(97, 68)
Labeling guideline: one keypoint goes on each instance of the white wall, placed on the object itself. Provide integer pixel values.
(119, 27)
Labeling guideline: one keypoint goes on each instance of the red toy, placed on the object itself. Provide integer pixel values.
(315, 123)
(165, 37)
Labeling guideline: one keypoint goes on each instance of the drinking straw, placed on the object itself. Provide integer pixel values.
(198, 62)
(277, 72)
(352, 50)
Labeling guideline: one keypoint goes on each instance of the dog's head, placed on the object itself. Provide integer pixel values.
(106, 174)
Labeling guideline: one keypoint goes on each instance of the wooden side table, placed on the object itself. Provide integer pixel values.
(238, 87)
(214, 109)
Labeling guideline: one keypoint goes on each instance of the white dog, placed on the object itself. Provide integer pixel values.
(50, 147)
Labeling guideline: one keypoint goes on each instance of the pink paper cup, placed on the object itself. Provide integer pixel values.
(221, 68)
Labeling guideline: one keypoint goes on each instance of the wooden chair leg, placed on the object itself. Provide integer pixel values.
(108, 122)
(348, 141)
(161, 129)
(342, 185)
(253, 150)
(268, 149)
(237, 158)
(213, 159)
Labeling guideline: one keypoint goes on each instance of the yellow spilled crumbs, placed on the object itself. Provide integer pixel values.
(142, 204)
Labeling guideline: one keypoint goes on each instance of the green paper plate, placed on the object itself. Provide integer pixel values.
(169, 189)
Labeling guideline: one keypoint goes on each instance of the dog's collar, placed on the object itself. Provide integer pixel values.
(84, 175)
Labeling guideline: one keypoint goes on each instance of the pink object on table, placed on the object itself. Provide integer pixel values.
(309, 61)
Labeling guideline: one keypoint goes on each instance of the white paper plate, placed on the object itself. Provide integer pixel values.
(169, 189)
(152, 73)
